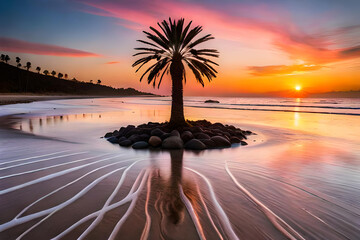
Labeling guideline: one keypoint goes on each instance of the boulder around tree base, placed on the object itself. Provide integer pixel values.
(199, 135)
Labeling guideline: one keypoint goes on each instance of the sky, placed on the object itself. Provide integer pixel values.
(265, 46)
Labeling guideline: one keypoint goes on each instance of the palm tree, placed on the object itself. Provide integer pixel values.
(38, 69)
(28, 66)
(60, 75)
(7, 58)
(53, 73)
(172, 48)
(91, 81)
(66, 76)
(18, 61)
(99, 81)
(46, 72)
(3, 57)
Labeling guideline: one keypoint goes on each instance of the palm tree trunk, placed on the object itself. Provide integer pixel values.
(177, 118)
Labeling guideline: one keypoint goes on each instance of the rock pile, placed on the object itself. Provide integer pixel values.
(199, 135)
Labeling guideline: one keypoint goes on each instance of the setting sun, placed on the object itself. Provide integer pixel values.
(297, 88)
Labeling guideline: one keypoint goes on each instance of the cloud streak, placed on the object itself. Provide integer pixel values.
(273, 70)
(20, 46)
(264, 25)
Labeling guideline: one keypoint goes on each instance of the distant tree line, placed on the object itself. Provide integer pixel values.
(27, 66)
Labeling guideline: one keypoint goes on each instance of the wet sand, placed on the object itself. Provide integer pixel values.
(294, 180)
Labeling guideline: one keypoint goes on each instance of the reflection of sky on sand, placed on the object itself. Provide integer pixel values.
(303, 167)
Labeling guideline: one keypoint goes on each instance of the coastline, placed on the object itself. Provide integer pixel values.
(7, 99)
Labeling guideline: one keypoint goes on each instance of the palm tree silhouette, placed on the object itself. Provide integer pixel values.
(91, 81)
(18, 61)
(3, 57)
(53, 73)
(60, 75)
(46, 72)
(38, 69)
(171, 48)
(99, 81)
(66, 76)
(7, 58)
(28, 66)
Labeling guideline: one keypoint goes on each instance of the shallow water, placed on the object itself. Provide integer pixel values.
(298, 177)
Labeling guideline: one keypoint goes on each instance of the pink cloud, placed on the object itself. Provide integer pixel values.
(262, 27)
(20, 46)
(112, 62)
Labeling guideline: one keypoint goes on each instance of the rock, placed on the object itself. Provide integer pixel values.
(221, 141)
(113, 139)
(195, 144)
(195, 129)
(243, 143)
(248, 132)
(127, 129)
(144, 137)
(140, 145)
(202, 136)
(186, 136)
(172, 142)
(209, 143)
(132, 132)
(115, 133)
(175, 133)
(125, 143)
(122, 139)
(235, 140)
(109, 134)
(135, 138)
(155, 141)
(121, 131)
(227, 134)
(156, 132)
(212, 101)
(165, 135)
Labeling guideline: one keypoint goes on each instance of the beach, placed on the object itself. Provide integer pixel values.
(298, 178)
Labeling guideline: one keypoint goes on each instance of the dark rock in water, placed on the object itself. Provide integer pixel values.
(212, 101)
(140, 145)
(115, 133)
(113, 139)
(221, 141)
(175, 133)
(121, 131)
(165, 135)
(235, 140)
(109, 134)
(132, 132)
(195, 129)
(156, 132)
(155, 141)
(218, 125)
(243, 143)
(135, 138)
(195, 144)
(227, 134)
(186, 136)
(248, 132)
(172, 142)
(122, 139)
(125, 143)
(127, 129)
(201, 136)
(209, 143)
(144, 137)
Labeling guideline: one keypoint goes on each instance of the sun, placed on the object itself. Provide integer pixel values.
(298, 88)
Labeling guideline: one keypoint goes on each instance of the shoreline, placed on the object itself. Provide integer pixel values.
(7, 99)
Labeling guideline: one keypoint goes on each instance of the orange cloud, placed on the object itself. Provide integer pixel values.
(20, 46)
(112, 62)
(282, 69)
